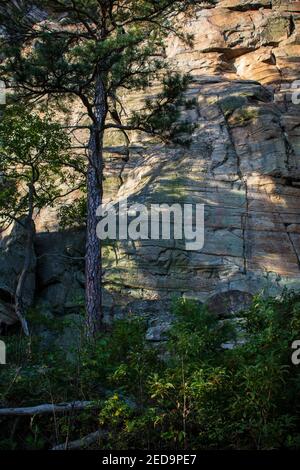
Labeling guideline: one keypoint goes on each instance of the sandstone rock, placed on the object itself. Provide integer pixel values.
(229, 302)
(158, 333)
(243, 163)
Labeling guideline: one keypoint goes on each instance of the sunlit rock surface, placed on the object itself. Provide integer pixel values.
(243, 164)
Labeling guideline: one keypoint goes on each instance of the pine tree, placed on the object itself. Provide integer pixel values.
(92, 50)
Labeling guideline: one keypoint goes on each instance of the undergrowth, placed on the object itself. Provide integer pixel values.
(190, 392)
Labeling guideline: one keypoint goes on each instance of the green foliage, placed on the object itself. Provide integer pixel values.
(189, 392)
(197, 332)
(34, 153)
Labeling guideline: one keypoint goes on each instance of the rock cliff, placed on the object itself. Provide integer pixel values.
(243, 164)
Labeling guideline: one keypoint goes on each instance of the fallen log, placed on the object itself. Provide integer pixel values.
(49, 408)
(83, 442)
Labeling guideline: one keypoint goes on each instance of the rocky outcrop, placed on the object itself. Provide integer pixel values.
(243, 164)
(12, 254)
(60, 272)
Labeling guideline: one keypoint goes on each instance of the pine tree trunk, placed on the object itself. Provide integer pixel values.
(93, 257)
(19, 295)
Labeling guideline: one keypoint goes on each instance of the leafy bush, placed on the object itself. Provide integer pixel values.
(190, 392)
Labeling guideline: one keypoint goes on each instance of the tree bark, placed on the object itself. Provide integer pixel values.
(19, 295)
(93, 258)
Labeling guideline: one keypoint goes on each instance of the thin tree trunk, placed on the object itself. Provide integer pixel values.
(93, 258)
(19, 295)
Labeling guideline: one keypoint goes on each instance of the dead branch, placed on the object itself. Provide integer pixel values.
(49, 408)
(83, 442)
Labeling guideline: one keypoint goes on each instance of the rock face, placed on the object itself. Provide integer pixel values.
(243, 164)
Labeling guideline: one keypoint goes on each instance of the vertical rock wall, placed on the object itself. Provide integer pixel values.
(243, 164)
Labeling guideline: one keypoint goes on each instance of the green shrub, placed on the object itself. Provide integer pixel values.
(190, 392)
